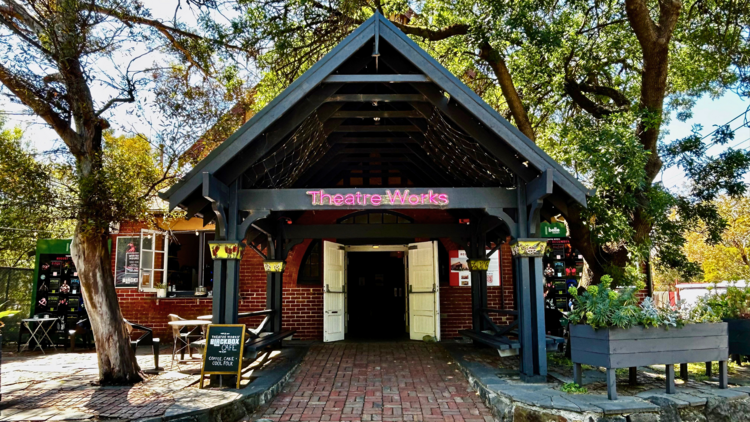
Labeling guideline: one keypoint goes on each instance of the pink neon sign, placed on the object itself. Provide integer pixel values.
(320, 197)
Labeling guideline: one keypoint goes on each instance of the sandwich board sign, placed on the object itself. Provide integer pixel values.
(223, 352)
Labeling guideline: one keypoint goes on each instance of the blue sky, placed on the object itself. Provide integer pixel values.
(709, 113)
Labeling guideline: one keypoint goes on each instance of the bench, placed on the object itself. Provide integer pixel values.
(499, 343)
(253, 346)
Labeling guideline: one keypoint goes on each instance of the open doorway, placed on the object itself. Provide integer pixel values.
(377, 295)
(400, 283)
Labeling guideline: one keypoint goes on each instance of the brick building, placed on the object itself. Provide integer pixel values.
(388, 189)
(303, 303)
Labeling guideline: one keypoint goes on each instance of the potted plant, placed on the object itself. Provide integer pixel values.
(733, 307)
(609, 329)
(161, 290)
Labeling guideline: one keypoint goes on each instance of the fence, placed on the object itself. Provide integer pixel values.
(16, 286)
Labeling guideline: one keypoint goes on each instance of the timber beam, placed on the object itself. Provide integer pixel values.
(393, 114)
(369, 98)
(301, 200)
(380, 231)
(377, 78)
(378, 128)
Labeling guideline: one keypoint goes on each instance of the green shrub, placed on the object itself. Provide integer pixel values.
(573, 388)
(600, 307)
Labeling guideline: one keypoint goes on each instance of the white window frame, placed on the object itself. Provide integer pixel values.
(151, 234)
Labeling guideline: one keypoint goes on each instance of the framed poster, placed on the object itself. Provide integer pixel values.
(127, 261)
(460, 274)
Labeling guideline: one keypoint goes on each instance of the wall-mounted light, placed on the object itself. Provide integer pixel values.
(196, 233)
(376, 247)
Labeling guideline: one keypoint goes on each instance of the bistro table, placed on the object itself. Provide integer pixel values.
(39, 332)
(196, 325)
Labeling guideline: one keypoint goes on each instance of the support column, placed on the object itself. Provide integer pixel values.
(478, 283)
(218, 305)
(530, 294)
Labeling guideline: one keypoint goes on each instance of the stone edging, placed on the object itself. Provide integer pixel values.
(519, 402)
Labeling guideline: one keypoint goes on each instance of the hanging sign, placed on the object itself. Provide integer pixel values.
(274, 266)
(554, 229)
(127, 261)
(225, 249)
(529, 247)
(397, 197)
(460, 269)
(223, 352)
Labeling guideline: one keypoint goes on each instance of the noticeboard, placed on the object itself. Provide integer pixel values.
(127, 261)
(223, 352)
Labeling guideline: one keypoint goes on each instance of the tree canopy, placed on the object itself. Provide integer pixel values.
(592, 83)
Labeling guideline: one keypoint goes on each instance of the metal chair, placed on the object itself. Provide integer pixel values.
(182, 339)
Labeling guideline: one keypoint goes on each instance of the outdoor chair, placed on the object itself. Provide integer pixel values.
(183, 339)
(145, 339)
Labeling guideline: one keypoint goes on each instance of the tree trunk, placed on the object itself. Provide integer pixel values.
(117, 364)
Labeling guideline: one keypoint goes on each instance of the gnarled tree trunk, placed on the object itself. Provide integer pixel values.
(117, 364)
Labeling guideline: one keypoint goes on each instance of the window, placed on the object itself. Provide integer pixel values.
(189, 261)
(312, 264)
(375, 217)
(153, 259)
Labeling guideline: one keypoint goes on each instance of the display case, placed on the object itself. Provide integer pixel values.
(57, 289)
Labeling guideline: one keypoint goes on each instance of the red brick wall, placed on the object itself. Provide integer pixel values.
(303, 305)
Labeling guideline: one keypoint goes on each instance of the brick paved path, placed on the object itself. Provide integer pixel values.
(405, 381)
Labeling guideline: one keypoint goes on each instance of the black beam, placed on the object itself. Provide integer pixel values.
(378, 78)
(376, 160)
(540, 188)
(300, 200)
(374, 150)
(385, 98)
(369, 231)
(371, 140)
(393, 114)
(378, 128)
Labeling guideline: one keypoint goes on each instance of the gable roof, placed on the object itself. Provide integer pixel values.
(309, 91)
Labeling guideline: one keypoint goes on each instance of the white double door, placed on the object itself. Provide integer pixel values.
(423, 289)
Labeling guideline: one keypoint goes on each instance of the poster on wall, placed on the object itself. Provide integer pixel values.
(460, 274)
(127, 261)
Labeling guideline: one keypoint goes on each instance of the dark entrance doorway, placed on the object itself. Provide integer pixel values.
(377, 295)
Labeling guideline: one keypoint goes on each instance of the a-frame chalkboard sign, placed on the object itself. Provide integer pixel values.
(223, 352)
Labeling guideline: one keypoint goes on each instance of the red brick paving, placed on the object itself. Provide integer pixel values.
(391, 382)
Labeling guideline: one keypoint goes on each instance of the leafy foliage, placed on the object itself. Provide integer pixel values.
(573, 388)
(29, 201)
(723, 256)
(732, 304)
(574, 78)
(601, 307)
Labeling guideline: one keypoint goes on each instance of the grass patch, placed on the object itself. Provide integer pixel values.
(558, 359)
(573, 388)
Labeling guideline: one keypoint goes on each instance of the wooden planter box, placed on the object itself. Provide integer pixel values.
(613, 348)
(739, 336)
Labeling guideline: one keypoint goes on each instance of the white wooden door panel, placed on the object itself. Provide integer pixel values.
(424, 300)
(334, 291)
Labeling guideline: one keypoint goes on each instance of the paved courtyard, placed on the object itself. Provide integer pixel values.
(403, 381)
(62, 386)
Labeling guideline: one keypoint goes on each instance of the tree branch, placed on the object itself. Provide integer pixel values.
(640, 20)
(24, 93)
(434, 34)
(517, 109)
